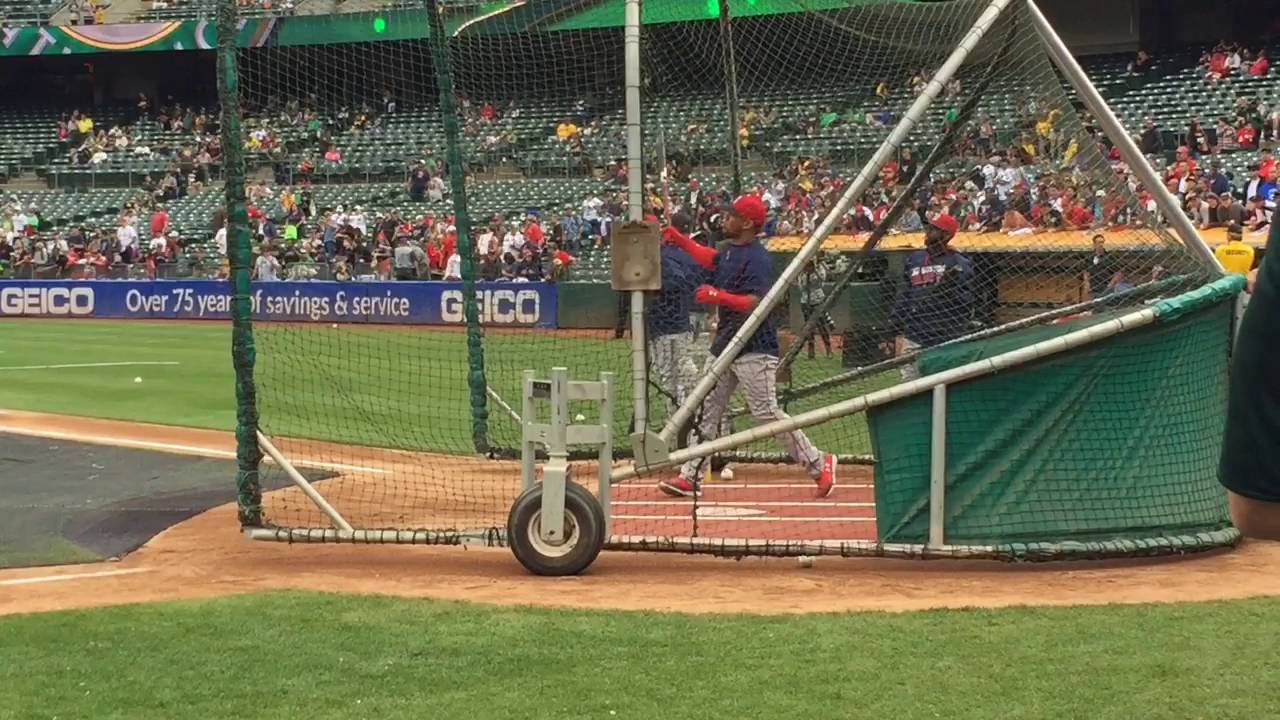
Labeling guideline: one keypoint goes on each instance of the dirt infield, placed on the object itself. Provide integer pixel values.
(206, 556)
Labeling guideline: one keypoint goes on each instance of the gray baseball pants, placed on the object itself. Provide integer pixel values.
(756, 374)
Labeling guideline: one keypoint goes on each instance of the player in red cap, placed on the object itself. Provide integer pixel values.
(935, 300)
(741, 274)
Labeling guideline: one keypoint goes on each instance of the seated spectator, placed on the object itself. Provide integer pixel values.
(567, 130)
(1261, 65)
(1257, 216)
(1246, 136)
(1151, 142)
(1227, 136)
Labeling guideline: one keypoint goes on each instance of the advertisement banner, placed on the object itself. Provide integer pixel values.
(403, 303)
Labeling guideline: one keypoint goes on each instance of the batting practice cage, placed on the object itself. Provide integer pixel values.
(1034, 392)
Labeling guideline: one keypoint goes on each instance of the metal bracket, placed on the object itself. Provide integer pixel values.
(649, 449)
(557, 434)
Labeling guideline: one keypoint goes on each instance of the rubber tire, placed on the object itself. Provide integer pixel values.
(586, 513)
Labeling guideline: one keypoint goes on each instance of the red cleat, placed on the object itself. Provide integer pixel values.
(680, 487)
(827, 480)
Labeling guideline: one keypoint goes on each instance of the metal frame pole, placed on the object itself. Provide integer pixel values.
(1129, 150)
(306, 487)
(938, 468)
(635, 209)
(730, 64)
(859, 185)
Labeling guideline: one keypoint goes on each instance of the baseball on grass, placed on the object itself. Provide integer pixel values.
(726, 473)
(579, 417)
(137, 379)
(334, 326)
(806, 561)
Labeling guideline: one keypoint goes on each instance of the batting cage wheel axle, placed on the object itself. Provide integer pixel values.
(557, 527)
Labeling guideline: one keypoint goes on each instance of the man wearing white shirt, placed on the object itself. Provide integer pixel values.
(485, 241)
(591, 213)
(513, 241)
(267, 267)
(127, 237)
(337, 219)
(358, 221)
(220, 240)
(453, 267)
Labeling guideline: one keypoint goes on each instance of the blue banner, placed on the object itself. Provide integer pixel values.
(406, 303)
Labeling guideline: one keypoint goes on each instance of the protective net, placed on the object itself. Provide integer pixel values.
(1052, 225)
(488, 162)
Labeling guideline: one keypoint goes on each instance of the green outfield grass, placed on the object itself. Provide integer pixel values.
(331, 656)
(385, 387)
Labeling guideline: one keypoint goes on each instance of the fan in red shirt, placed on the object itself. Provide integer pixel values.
(159, 222)
(1077, 217)
(533, 233)
(1247, 137)
(1267, 168)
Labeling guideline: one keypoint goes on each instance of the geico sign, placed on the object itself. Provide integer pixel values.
(46, 301)
(502, 307)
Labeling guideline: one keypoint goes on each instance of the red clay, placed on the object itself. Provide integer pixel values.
(206, 557)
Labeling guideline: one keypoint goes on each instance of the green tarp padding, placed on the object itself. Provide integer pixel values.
(1118, 439)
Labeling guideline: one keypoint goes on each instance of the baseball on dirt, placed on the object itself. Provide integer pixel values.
(137, 379)
(806, 561)
(334, 326)
(726, 474)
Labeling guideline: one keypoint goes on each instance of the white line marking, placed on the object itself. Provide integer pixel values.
(778, 486)
(184, 449)
(744, 503)
(763, 518)
(724, 512)
(86, 365)
(72, 576)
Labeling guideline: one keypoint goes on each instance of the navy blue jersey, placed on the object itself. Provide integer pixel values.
(670, 307)
(743, 270)
(935, 301)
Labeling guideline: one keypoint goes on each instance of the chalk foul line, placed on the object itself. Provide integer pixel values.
(71, 576)
(171, 447)
(65, 366)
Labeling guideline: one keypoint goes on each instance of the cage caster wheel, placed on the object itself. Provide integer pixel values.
(584, 524)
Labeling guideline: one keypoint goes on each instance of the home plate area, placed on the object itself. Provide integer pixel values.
(763, 502)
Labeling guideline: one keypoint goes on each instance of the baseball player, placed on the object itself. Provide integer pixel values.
(935, 301)
(669, 328)
(740, 276)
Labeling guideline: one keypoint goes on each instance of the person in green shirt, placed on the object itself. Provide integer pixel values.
(1249, 467)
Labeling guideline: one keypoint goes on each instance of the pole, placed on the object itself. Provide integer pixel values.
(635, 210)
(729, 62)
(476, 382)
(859, 185)
(1111, 126)
(240, 252)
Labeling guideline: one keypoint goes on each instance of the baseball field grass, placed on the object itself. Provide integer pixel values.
(342, 656)
(366, 385)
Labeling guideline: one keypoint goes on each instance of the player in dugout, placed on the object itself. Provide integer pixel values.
(741, 273)
(935, 300)
(1249, 467)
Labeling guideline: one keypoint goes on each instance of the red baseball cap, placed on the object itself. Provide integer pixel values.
(751, 209)
(945, 223)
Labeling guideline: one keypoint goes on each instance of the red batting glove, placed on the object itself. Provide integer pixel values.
(672, 236)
